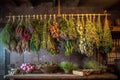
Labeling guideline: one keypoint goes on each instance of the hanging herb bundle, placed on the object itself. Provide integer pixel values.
(51, 45)
(5, 35)
(69, 47)
(68, 34)
(25, 40)
(67, 29)
(81, 35)
(30, 25)
(107, 38)
(35, 35)
(44, 36)
(92, 38)
(63, 28)
(35, 41)
(54, 30)
(13, 41)
(72, 34)
(99, 30)
(22, 36)
(52, 41)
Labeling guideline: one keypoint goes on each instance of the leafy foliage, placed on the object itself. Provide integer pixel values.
(91, 64)
(68, 66)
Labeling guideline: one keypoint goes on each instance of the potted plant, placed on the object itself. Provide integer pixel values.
(68, 66)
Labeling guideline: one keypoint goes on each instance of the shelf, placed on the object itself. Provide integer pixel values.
(59, 76)
(116, 28)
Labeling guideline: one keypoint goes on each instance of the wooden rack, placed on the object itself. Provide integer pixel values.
(60, 15)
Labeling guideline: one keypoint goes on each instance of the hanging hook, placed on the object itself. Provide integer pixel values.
(21, 18)
(18, 17)
(83, 20)
(90, 16)
(54, 17)
(13, 18)
(9, 18)
(26, 18)
(63, 16)
(82, 15)
(45, 16)
(40, 17)
(98, 15)
(93, 18)
(33, 16)
(69, 16)
(87, 16)
(78, 17)
(29, 17)
(37, 17)
(50, 17)
(106, 18)
(72, 16)
(93, 15)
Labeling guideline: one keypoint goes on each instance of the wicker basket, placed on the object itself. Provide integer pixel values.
(49, 69)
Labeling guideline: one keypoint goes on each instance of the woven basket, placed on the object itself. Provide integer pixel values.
(49, 69)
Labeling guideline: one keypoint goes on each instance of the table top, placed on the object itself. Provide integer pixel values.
(61, 76)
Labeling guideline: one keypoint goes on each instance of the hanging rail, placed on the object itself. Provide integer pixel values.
(60, 15)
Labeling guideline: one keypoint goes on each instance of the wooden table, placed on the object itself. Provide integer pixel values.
(104, 76)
